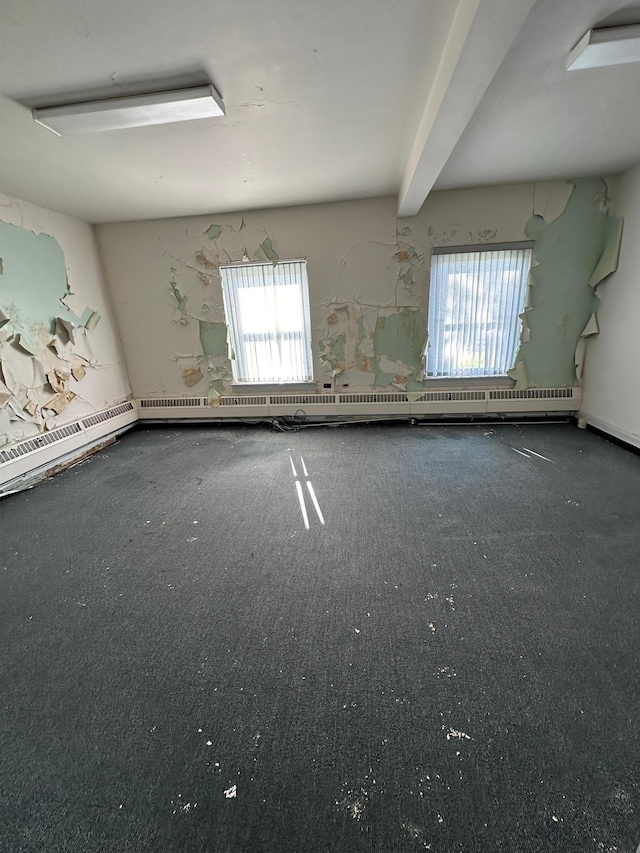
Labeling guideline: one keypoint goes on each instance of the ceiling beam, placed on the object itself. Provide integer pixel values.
(481, 33)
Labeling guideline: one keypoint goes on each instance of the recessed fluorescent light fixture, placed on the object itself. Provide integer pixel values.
(608, 46)
(131, 111)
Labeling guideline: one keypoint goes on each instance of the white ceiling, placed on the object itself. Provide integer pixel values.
(538, 121)
(328, 100)
(322, 98)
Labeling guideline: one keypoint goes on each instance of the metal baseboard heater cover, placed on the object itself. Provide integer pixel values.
(43, 450)
(486, 401)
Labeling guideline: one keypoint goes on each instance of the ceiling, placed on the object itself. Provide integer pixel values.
(540, 122)
(321, 99)
(325, 100)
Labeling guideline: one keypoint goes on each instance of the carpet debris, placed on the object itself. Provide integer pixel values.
(353, 807)
(180, 807)
(454, 733)
(447, 671)
(415, 832)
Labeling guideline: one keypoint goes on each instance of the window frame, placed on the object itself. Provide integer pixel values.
(303, 335)
(477, 248)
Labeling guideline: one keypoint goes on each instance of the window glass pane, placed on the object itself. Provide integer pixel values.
(474, 306)
(267, 310)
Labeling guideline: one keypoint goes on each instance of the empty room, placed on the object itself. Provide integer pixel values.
(320, 426)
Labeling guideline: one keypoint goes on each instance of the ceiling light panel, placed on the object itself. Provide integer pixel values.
(609, 46)
(131, 111)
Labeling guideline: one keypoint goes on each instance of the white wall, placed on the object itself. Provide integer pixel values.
(611, 396)
(98, 350)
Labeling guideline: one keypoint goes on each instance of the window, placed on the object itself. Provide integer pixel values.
(267, 310)
(475, 298)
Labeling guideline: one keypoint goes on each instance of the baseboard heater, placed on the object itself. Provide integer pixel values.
(50, 449)
(501, 402)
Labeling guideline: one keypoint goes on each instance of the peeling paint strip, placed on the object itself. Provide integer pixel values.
(303, 506)
(92, 321)
(518, 372)
(608, 262)
(521, 453)
(315, 501)
(213, 232)
(539, 455)
(592, 327)
(269, 251)
(191, 376)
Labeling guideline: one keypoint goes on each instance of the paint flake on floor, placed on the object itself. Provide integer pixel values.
(457, 734)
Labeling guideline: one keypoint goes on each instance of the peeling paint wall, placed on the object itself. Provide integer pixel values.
(611, 396)
(60, 357)
(573, 252)
(368, 283)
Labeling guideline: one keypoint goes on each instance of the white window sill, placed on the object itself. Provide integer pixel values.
(502, 381)
(273, 385)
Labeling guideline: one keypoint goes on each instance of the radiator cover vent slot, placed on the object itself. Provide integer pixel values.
(373, 398)
(174, 402)
(533, 394)
(92, 420)
(301, 399)
(242, 401)
(447, 396)
(39, 441)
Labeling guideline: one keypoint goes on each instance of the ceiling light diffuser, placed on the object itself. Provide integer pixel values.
(131, 111)
(609, 46)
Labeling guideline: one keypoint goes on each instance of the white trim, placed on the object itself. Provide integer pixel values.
(603, 426)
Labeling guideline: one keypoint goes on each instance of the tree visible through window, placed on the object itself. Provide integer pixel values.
(475, 300)
(267, 310)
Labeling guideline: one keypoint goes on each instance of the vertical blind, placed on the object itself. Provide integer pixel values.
(267, 310)
(474, 303)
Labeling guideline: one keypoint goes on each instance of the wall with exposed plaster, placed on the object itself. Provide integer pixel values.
(611, 398)
(368, 280)
(60, 355)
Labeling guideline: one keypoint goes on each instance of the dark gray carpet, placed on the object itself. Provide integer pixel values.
(450, 664)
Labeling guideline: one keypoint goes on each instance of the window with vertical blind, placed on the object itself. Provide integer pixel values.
(267, 309)
(476, 296)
